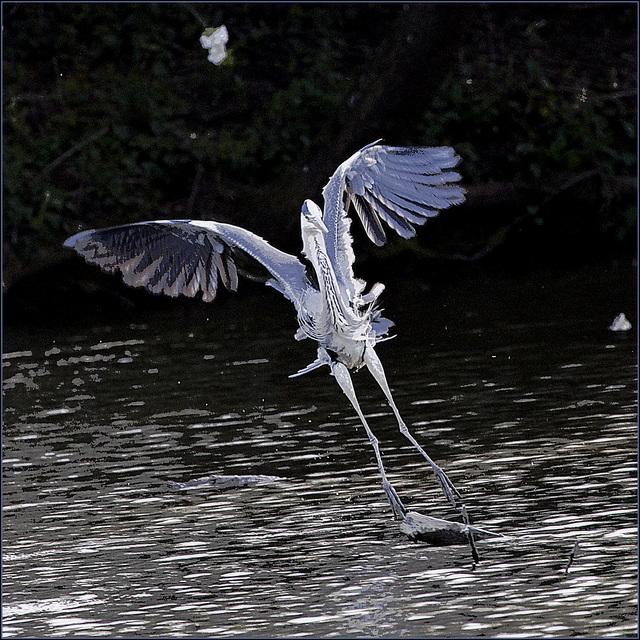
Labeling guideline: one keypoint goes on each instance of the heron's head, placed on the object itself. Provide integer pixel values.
(311, 219)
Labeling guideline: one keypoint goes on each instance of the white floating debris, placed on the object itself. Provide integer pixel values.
(620, 323)
(215, 40)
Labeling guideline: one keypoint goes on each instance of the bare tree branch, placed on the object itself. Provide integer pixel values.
(76, 147)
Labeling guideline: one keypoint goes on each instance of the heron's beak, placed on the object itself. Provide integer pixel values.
(319, 224)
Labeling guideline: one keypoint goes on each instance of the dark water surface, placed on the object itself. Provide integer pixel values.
(514, 385)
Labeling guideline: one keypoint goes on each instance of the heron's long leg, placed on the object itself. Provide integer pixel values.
(375, 367)
(341, 374)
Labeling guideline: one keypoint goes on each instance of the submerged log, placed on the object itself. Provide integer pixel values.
(224, 482)
(435, 531)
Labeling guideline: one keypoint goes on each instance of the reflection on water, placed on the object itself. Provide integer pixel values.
(533, 419)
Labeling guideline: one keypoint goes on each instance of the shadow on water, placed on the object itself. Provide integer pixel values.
(517, 388)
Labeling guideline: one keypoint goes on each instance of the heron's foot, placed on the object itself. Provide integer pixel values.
(399, 510)
(450, 492)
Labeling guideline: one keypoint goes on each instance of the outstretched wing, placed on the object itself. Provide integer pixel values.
(402, 186)
(182, 257)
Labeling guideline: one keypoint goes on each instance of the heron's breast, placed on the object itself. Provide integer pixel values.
(345, 342)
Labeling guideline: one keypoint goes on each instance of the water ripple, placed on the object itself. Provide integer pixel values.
(540, 437)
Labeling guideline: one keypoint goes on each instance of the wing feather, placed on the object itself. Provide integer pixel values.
(401, 186)
(184, 257)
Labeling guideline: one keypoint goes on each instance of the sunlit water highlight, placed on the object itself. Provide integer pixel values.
(533, 420)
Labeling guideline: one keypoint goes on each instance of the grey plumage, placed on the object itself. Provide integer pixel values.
(394, 186)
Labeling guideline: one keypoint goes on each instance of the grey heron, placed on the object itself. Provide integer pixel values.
(402, 186)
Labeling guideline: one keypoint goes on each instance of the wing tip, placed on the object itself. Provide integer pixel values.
(72, 241)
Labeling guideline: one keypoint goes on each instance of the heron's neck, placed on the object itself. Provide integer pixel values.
(315, 250)
(334, 303)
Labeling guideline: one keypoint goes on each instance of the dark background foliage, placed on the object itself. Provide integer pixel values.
(113, 114)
